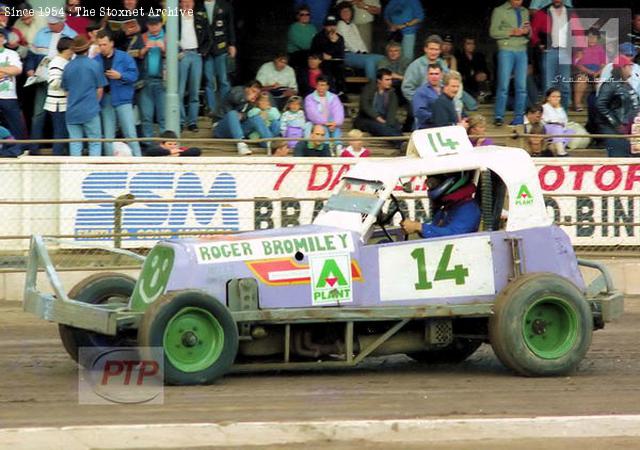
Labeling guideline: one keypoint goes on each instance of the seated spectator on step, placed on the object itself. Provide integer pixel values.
(325, 108)
(533, 124)
(426, 95)
(478, 129)
(555, 122)
(356, 52)
(355, 149)
(588, 64)
(170, 146)
(330, 45)
(56, 102)
(299, 38)
(395, 61)
(307, 77)
(268, 113)
(443, 110)
(293, 122)
(316, 146)
(279, 79)
(236, 123)
(8, 150)
(378, 108)
(448, 52)
(472, 65)
(281, 148)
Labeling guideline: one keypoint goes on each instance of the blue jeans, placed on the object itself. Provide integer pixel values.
(230, 126)
(91, 129)
(12, 116)
(39, 114)
(59, 131)
(151, 104)
(408, 46)
(366, 61)
(124, 115)
(216, 80)
(510, 62)
(190, 75)
(556, 70)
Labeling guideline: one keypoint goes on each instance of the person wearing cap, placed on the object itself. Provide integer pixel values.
(330, 45)
(152, 94)
(44, 45)
(83, 81)
(117, 102)
(56, 102)
(455, 210)
(403, 17)
(10, 67)
(617, 106)
(447, 52)
(223, 45)
(627, 49)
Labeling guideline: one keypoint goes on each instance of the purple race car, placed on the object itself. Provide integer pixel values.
(350, 285)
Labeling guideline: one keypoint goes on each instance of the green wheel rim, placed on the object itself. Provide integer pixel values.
(550, 328)
(193, 339)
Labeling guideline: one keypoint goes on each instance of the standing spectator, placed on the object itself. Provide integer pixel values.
(83, 80)
(236, 123)
(426, 95)
(478, 129)
(318, 9)
(415, 73)
(356, 51)
(28, 25)
(92, 32)
(402, 17)
(293, 122)
(75, 19)
(10, 67)
(588, 63)
(448, 52)
(56, 102)
(151, 99)
(44, 45)
(443, 110)
(472, 65)
(223, 44)
(299, 38)
(194, 44)
(556, 120)
(378, 108)
(279, 79)
(316, 146)
(355, 149)
(325, 108)
(364, 16)
(552, 31)
(117, 101)
(330, 45)
(510, 28)
(308, 77)
(617, 105)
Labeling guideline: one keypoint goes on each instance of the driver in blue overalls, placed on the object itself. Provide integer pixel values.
(454, 209)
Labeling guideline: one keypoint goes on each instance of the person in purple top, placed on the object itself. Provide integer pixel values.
(325, 108)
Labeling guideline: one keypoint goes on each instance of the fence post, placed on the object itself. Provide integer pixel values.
(119, 203)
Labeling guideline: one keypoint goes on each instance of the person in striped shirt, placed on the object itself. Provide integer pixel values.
(55, 104)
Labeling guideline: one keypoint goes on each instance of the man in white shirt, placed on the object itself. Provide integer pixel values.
(10, 67)
(279, 79)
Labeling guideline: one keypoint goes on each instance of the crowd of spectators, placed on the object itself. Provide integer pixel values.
(106, 79)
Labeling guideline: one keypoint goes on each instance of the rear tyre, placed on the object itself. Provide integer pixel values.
(97, 289)
(542, 326)
(198, 335)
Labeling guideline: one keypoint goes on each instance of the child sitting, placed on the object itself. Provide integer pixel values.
(281, 149)
(170, 147)
(293, 120)
(555, 122)
(269, 114)
(355, 148)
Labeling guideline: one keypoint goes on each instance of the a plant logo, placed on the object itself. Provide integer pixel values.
(524, 197)
(331, 279)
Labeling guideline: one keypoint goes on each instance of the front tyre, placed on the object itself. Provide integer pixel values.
(198, 335)
(542, 326)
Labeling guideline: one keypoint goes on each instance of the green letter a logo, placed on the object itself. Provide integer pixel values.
(523, 193)
(331, 274)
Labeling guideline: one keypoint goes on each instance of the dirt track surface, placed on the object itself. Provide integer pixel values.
(38, 386)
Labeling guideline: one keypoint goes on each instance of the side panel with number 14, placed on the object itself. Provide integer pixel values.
(436, 269)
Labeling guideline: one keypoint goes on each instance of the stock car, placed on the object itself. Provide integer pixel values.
(350, 285)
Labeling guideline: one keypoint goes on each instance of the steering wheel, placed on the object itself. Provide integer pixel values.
(385, 219)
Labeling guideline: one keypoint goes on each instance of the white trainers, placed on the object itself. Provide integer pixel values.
(243, 149)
